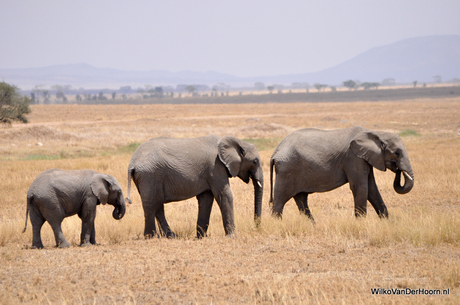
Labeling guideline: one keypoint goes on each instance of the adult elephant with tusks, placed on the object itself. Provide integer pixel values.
(167, 169)
(312, 160)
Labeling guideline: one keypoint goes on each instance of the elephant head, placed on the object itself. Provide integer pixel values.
(107, 190)
(242, 159)
(385, 150)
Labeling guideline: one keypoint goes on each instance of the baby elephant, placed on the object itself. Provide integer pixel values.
(56, 194)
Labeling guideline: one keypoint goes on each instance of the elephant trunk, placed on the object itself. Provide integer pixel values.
(258, 182)
(119, 211)
(408, 181)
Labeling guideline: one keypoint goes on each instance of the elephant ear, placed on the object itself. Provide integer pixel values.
(368, 146)
(100, 187)
(230, 153)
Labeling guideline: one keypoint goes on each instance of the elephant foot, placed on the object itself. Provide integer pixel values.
(310, 217)
(88, 244)
(171, 235)
(40, 246)
(383, 214)
(149, 236)
(360, 213)
(65, 244)
(200, 235)
(231, 235)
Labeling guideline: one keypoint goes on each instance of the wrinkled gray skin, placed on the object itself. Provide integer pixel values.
(167, 169)
(56, 194)
(312, 160)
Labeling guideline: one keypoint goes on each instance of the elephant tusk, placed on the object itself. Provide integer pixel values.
(258, 183)
(407, 175)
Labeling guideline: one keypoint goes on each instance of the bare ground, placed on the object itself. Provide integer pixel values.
(289, 261)
(260, 269)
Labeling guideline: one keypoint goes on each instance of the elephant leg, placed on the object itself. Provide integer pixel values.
(205, 201)
(88, 234)
(150, 207)
(61, 242)
(360, 191)
(37, 221)
(278, 206)
(92, 238)
(85, 234)
(150, 227)
(301, 199)
(375, 198)
(283, 191)
(165, 229)
(87, 227)
(280, 198)
(224, 198)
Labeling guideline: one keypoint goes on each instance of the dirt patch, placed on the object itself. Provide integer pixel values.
(36, 133)
(328, 119)
(261, 130)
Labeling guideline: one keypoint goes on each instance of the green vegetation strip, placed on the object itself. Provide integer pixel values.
(35, 157)
(127, 149)
(409, 133)
(263, 144)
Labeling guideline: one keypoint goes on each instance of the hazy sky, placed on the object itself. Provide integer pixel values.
(243, 38)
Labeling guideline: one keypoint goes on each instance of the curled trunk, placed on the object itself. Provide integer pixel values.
(408, 182)
(119, 211)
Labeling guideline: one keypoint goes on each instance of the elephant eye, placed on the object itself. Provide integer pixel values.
(256, 162)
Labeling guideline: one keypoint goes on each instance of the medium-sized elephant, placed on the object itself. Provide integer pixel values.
(167, 169)
(312, 160)
(56, 194)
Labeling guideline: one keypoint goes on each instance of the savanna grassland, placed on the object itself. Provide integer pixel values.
(289, 261)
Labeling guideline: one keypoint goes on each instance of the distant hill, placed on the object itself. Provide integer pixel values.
(87, 76)
(415, 59)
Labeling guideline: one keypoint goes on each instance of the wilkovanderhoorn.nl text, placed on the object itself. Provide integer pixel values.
(409, 291)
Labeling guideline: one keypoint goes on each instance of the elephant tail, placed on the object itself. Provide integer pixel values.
(29, 204)
(130, 175)
(272, 164)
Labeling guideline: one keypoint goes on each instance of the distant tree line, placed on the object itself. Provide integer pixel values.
(351, 84)
(60, 93)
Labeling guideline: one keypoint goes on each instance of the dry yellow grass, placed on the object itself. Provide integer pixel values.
(288, 261)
